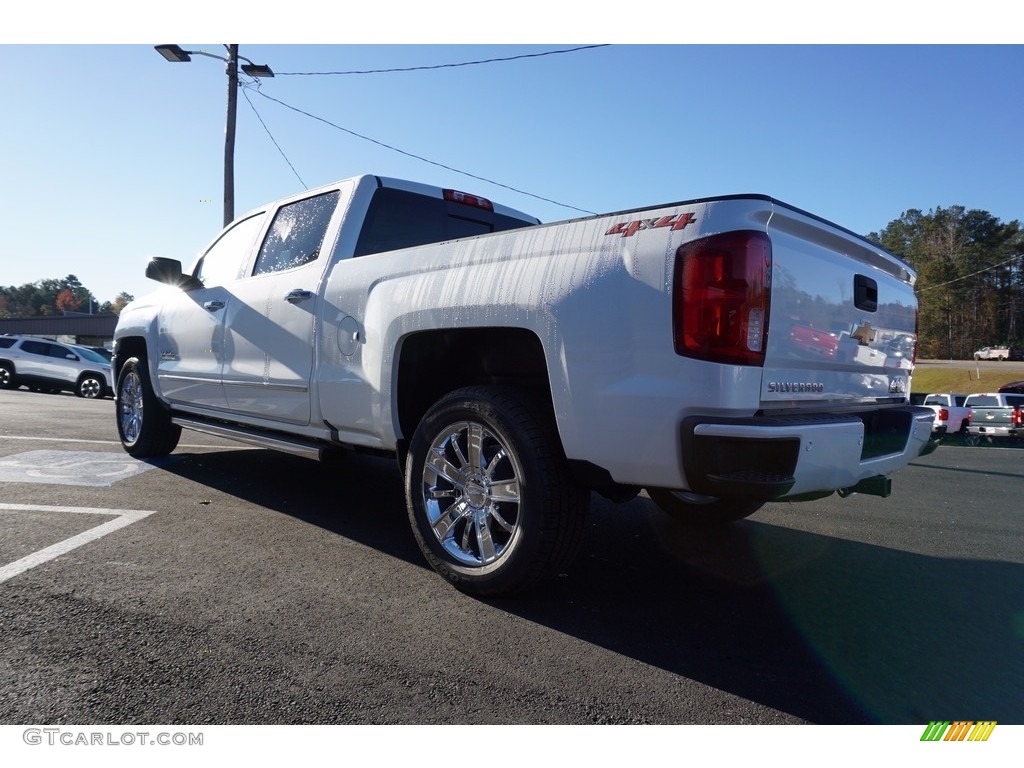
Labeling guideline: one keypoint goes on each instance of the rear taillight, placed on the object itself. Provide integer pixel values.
(1018, 417)
(970, 416)
(720, 304)
(943, 414)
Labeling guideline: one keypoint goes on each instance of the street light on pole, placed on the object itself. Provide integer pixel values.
(177, 54)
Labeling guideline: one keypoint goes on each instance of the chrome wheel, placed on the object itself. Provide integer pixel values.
(143, 422)
(129, 407)
(471, 493)
(493, 503)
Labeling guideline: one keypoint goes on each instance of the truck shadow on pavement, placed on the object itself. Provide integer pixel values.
(830, 630)
(821, 628)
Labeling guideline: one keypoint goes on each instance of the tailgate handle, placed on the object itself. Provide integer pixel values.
(865, 293)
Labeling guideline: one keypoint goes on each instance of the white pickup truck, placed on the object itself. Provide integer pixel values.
(952, 416)
(992, 353)
(514, 367)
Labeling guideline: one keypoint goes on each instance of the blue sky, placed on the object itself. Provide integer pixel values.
(111, 152)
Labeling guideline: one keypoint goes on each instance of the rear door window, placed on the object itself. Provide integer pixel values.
(297, 234)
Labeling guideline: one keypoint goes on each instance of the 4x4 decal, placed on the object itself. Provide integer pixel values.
(629, 228)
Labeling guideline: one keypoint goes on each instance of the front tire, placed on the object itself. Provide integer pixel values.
(143, 423)
(491, 500)
(693, 509)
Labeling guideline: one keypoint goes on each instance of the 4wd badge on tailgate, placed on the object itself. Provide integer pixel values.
(629, 228)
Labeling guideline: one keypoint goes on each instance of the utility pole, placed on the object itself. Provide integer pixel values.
(229, 136)
(175, 53)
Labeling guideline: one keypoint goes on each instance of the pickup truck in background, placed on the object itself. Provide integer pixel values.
(992, 353)
(995, 415)
(513, 367)
(952, 417)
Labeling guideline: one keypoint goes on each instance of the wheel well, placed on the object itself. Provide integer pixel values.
(433, 363)
(128, 347)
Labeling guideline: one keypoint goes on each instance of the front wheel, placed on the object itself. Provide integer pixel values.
(491, 500)
(143, 423)
(693, 509)
(7, 378)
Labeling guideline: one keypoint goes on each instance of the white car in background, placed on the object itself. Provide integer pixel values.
(45, 365)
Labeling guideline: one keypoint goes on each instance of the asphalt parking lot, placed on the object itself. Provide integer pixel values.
(234, 585)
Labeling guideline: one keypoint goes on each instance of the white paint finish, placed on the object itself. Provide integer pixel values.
(189, 351)
(85, 468)
(597, 294)
(122, 518)
(269, 345)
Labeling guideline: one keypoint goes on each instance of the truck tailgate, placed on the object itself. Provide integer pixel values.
(842, 327)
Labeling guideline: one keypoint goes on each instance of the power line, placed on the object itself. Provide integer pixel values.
(980, 271)
(447, 66)
(272, 137)
(424, 159)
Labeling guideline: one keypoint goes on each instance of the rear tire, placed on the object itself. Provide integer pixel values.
(143, 423)
(91, 386)
(491, 500)
(693, 509)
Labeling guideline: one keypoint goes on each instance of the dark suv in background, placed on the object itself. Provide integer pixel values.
(43, 365)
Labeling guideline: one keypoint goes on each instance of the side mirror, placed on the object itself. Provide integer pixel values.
(168, 271)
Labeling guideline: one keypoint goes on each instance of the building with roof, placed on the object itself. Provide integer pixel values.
(73, 328)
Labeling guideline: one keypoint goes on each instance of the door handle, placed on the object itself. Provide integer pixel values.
(213, 306)
(293, 297)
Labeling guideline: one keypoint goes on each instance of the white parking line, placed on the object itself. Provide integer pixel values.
(123, 518)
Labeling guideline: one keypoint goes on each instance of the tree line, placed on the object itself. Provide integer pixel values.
(55, 297)
(970, 285)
